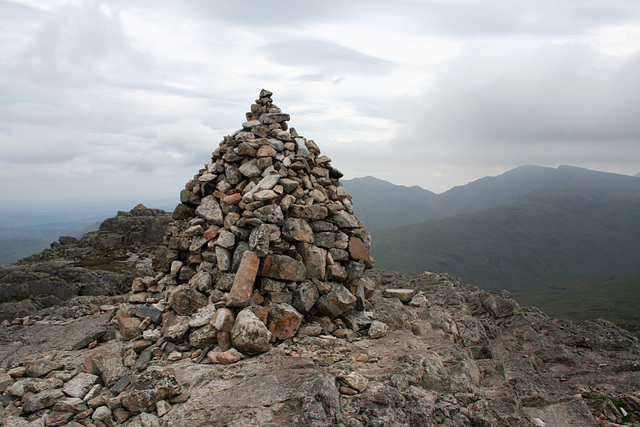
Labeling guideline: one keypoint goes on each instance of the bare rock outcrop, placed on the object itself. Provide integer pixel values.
(101, 263)
(442, 358)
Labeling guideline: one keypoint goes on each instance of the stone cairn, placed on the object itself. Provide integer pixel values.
(264, 246)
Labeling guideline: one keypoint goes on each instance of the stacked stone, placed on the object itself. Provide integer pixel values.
(264, 236)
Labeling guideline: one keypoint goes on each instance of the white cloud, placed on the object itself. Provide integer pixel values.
(95, 94)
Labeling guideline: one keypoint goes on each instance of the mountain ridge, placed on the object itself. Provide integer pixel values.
(582, 223)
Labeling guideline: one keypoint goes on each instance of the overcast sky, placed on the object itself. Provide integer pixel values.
(126, 99)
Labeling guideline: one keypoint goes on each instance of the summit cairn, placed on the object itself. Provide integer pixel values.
(264, 242)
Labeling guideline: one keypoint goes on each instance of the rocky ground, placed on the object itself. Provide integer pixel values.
(440, 353)
(101, 263)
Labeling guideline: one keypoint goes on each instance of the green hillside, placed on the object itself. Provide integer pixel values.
(583, 224)
(613, 298)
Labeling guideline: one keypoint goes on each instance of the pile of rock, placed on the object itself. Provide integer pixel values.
(44, 389)
(264, 241)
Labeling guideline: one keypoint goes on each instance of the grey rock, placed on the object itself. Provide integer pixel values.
(336, 302)
(80, 385)
(203, 337)
(107, 364)
(44, 399)
(305, 296)
(186, 301)
(176, 328)
(249, 334)
(101, 413)
(209, 209)
(150, 388)
(203, 316)
(145, 311)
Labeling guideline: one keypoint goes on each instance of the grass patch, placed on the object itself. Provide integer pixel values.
(612, 298)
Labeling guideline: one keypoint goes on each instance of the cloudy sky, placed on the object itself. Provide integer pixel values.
(121, 99)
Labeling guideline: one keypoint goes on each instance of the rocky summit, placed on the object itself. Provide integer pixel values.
(262, 310)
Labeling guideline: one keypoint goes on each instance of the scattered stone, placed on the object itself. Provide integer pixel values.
(355, 381)
(129, 327)
(148, 389)
(228, 357)
(336, 302)
(17, 372)
(284, 321)
(101, 413)
(44, 399)
(404, 295)
(74, 405)
(163, 407)
(41, 367)
(203, 316)
(378, 329)
(107, 364)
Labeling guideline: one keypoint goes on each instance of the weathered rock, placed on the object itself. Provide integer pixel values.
(500, 304)
(229, 356)
(203, 337)
(297, 229)
(186, 301)
(315, 260)
(305, 296)
(150, 388)
(129, 327)
(152, 313)
(336, 302)
(378, 329)
(176, 328)
(101, 413)
(283, 267)
(284, 321)
(57, 418)
(404, 295)
(354, 380)
(249, 334)
(107, 364)
(40, 384)
(209, 209)
(44, 399)
(223, 320)
(244, 280)
(71, 404)
(357, 320)
(358, 250)
(203, 316)
(41, 367)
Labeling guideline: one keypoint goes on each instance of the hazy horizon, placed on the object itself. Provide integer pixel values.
(128, 99)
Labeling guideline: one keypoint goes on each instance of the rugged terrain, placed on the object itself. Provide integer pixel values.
(253, 307)
(452, 355)
(101, 263)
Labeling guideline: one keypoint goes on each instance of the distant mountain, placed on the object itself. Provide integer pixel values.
(577, 224)
(382, 205)
(638, 174)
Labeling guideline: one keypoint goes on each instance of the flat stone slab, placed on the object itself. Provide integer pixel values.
(404, 295)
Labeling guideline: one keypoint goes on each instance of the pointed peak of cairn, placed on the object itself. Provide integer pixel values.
(264, 243)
